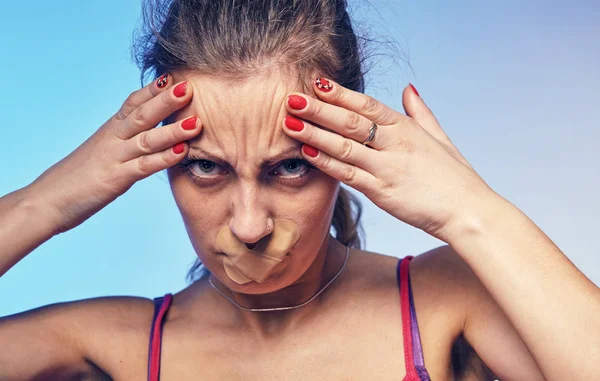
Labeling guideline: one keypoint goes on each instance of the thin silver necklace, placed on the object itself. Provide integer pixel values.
(283, 308)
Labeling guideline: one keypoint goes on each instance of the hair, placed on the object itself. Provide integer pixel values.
(239, 38)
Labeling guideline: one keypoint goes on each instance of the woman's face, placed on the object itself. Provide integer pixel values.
(243, 172)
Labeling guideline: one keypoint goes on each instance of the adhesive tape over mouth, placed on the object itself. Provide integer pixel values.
(244, 265)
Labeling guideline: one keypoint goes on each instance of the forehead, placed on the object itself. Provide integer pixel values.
(241, 117)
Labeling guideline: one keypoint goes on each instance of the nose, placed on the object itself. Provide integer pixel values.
(250, 221)
(251, 229)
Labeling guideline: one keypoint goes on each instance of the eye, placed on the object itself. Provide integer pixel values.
(206, 166)
(203, 172)
(292, 172)
(291, 167)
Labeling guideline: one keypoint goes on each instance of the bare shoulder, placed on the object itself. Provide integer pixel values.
(89, 313)
(105, 326)
(443, 286)
(79, 337)
(442, 266)
(432, 271)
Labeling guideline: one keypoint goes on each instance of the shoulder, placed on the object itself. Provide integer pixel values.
(102, 311)
(109, 329)
(125, 310)
(443, 284)
(89, 322)
(438, 267)
(442, 275)
(70, 336)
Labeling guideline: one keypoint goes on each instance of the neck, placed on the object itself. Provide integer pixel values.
(326, 265)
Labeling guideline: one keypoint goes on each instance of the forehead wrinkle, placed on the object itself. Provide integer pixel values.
(274, 110)
(243, 118)
(287, 83)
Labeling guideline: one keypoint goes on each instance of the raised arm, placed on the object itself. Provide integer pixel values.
(552, 306)
(47, 343)
(126, 149)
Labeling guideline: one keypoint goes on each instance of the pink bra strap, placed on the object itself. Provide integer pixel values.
(161, 305)
(402, 275)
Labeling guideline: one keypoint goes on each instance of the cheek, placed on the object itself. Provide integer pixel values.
(311, 209)
(203, 214)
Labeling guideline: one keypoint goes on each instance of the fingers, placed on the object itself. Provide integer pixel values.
(136, 98)
(340, 120)
(349, 174)
(150, 113)
(146, 165)
(360, 103)
(335, 145)
(159, 139)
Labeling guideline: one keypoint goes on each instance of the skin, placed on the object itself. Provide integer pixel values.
(352, 331)
(243, 131)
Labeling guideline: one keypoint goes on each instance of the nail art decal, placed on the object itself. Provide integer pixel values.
(323, 84)
(162, 81)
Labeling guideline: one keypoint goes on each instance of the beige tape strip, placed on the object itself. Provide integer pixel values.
(243, 265)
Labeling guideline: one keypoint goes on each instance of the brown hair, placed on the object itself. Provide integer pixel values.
(242, 37)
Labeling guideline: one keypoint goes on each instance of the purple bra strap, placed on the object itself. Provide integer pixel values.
(417, 348)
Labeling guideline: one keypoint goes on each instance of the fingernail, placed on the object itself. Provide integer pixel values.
(180, 90)
(297, 102)
(310, 150)
(179, 148)
(189, 123)
(414, 90)
(162, 81)
(324, 85)
(294, 123)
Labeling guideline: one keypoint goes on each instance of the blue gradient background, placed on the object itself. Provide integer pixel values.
(515, 85)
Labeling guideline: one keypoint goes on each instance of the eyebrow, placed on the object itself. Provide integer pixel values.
(288, 153)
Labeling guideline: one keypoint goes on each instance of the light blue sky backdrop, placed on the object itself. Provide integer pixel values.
(514, 83)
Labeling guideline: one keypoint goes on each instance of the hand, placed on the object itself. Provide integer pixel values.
(411, 169)
(126, 149)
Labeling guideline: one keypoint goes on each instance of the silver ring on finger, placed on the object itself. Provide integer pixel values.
(372, 132)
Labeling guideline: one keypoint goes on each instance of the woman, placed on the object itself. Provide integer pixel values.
(264, 118)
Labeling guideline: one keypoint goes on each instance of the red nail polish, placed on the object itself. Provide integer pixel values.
(324, 85)
(162, 81)
(414, 90)
(294, 124)
(189, 123)
(180, 90)
(297, 102)
(310, 150)
(179, 148)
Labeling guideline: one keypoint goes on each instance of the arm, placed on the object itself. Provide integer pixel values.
(482, 322)
(413, 171)
(126, 149)
(552, 306)
(55, 342)
(24, 225)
